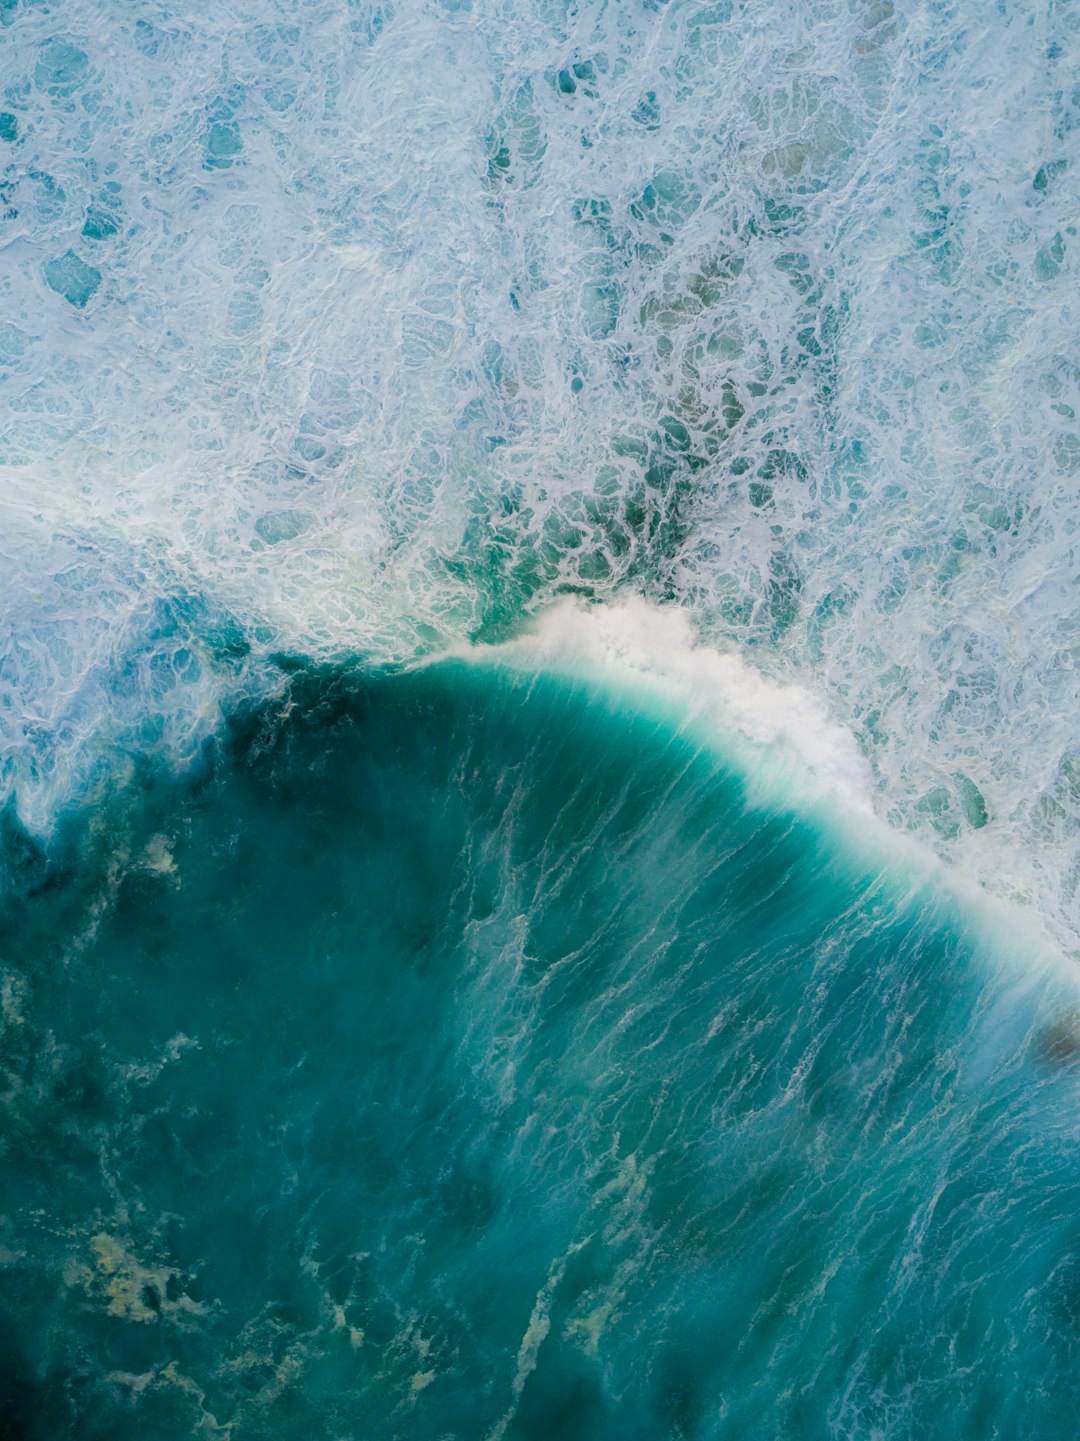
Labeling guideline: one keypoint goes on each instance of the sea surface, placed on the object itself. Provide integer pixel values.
(539, 780)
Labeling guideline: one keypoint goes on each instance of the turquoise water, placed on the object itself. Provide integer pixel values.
(359, 328)
(539, 695)
(464, 1053)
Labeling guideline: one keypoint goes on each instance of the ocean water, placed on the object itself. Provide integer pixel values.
(468, 1053)
(364, 329)
(539, 791)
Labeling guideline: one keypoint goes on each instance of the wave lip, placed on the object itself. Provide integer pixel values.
(658, 644)
(791, 752)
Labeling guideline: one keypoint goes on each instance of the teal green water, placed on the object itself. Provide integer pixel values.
(460, 1054)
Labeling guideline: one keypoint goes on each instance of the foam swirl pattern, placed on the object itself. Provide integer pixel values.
(360, 329)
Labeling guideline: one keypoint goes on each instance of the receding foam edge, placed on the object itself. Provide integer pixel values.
(792, 753)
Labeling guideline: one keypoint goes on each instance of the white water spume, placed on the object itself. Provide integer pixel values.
(658, 646)
(791, 753)
(358, 329)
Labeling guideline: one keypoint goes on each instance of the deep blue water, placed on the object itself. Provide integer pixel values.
(461, 1053)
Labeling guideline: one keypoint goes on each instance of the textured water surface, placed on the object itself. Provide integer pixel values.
(537, 570)
(465, 1055)
(367, 327)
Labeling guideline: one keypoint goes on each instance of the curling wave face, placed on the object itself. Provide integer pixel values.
(469, 1053)
(367, 329)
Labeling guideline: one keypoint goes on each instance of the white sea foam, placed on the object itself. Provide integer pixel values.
(366, 329)
(657, 645)
(791, 751)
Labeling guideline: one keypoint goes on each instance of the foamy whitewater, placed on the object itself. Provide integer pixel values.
(361, 330)
(539, 720)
